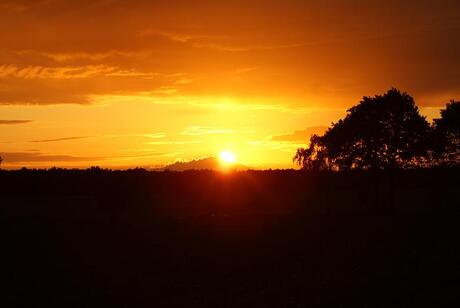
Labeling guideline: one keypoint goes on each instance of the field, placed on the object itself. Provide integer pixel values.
(95, 238)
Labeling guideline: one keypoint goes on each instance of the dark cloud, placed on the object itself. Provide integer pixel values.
(12, 122)
(58, 139)
(312, 52)
(35, 157)
(301, 135)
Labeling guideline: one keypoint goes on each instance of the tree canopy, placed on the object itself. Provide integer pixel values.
(446, 135)
(383, 132)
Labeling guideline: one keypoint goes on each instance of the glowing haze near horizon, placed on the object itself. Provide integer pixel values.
(146, 83)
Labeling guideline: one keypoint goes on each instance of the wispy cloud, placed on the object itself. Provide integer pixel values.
(12, 122)
(234, 48)
(245, 70)
(206, 130)
(136, 156)
(284, 146)
(36, 157)
(288, 142)
(174, 142)
(157, 135)
(147, 135)
(84, 71)
(153, 136)
(59, 139)
(61, 72)
(78, 55)
(204, 102)
(21, 6)
(300, 135)
(179, 37)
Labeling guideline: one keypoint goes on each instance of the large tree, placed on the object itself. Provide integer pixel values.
(446, 135)
(384, 131)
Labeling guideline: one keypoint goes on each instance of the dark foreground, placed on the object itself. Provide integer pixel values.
(252, 239)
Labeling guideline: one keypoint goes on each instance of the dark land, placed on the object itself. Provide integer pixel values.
(96, 238)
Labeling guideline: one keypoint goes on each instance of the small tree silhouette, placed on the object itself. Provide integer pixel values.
(446, 135)
(385, 131)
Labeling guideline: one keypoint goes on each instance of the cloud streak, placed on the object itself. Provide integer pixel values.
(14, 122)
(300, 135)
(58, 139)
(35, 157)
(206, 130)
(64, 72)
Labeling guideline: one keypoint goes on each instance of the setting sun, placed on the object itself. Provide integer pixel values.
(124, 85)
(227, 157)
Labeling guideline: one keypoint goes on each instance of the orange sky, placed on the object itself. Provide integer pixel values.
(120, 84)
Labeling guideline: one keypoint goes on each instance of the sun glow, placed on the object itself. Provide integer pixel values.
(227, 157)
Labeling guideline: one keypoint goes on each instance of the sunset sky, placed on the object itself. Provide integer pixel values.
(147, 83)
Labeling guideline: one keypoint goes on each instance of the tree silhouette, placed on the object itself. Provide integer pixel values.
(314, 157)
(385, 131)
(446, 135)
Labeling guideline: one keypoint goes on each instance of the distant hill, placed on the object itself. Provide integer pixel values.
(206, 163)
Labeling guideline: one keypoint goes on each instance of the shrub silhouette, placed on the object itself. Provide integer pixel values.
(381, 132)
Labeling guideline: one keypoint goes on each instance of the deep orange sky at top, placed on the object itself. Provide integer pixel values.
(118, 83)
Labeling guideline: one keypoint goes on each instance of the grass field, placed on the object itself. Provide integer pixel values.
(255, 239)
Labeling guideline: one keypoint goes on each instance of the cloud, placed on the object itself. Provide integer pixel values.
(22, 6)
(12, 122)
(36, 157)
(245, 70)
(205, 130)
(83, 85)
(61, 57)
(151, 154)
(179, 37)
(158, 135)
(174, 142)
(288, 142)
(153, 136)
(248, 48)
(301, 135)
(65, 72)
(284, 146)
(58, 139)
(65, 51)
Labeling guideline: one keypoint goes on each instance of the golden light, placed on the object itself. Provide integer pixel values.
(227, 157)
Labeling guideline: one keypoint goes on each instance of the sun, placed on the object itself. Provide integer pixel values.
(227, 157)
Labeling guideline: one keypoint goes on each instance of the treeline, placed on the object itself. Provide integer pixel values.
(386, 132)
(141, 194)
